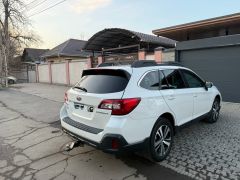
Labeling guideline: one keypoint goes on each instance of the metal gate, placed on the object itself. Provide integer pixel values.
(219, 64)
(121, 58)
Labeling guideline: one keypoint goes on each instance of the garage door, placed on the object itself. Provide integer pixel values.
(218, 65)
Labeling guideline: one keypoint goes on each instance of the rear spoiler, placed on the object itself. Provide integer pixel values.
(112, 72)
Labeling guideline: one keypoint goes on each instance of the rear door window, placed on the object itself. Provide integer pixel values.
(163, 81)
(101, 81)
(150, 81)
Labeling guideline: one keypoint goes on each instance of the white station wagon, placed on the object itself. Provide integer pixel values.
(140, 106)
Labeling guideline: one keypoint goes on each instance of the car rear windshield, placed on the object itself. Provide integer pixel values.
(102, 81)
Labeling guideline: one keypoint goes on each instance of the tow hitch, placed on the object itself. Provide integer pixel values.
(74, 144)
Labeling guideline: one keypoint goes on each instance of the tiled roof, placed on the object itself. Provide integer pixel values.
(71, 47)
(33, 54)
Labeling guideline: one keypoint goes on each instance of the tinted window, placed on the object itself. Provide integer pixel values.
(193, 80)
(150, 81)
(163, 81)
(174, 79)
(103, 81)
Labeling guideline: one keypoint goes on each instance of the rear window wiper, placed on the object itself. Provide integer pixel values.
(81, 88)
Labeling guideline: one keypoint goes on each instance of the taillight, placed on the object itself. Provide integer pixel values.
(65, 97)
(120, 106)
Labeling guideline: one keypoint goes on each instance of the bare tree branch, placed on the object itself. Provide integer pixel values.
(14, 33)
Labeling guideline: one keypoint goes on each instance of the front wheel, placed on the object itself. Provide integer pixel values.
(215, 111)
(161, 140)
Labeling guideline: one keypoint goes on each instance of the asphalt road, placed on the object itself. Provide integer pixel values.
(32, 146)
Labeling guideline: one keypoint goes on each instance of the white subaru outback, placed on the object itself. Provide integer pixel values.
(138, 106)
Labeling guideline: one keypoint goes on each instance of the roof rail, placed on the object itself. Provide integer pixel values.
(170, 63)
(143, 63)
(147, 63)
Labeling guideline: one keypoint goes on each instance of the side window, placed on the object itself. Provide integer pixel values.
(150, 81)
(174, 79)
(193, 80)
(163, 81)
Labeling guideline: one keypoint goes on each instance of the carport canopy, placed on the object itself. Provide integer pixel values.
(120, 39)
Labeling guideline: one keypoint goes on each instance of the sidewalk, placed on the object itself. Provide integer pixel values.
(47, 91)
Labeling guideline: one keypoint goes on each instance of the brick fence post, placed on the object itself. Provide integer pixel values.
(37, 73)
(50, 71)
(89, 62)
(67, 72)
(158, 54)
(142, 54)
(100, 59)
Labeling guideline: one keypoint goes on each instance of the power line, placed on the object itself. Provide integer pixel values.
(31, 2)
(50, 7)
(26, 5)
(36, 5)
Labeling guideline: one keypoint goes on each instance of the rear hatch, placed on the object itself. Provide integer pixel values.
(95, 86)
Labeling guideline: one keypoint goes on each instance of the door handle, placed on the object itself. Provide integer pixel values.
(195, 95)
(171, 97)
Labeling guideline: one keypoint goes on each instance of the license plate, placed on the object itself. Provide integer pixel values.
(83, 106)
(79, 106)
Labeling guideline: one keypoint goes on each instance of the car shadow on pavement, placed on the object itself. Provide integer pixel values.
(151, 170)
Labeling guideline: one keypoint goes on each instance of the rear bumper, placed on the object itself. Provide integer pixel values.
(110, 139)
(111, 143)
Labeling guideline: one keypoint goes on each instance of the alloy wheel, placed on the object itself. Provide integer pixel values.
(162, 140)
(216, 109)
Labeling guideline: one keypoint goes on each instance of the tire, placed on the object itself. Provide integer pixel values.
(10, 81)
(161, 140)
(215, 111)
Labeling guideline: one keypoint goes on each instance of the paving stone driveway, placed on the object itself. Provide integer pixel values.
(200, 151)
(209, 151)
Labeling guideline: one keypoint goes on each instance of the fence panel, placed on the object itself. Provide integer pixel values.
(75, 70)
(59, 73)
(168, 55)
(43, 73)
(31, 76)
(150, 57)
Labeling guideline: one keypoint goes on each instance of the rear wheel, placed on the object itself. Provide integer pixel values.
(161, 140)
(215, 111)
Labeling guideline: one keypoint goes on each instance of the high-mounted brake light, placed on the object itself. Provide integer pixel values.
(65, 97)
(120, 106)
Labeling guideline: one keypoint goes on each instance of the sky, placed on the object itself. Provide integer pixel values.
(80, 19)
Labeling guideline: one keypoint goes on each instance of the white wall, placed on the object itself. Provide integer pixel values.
(59, 73)
(75, 70)
(43, 73)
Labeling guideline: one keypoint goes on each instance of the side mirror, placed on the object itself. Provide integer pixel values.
(208, 85)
